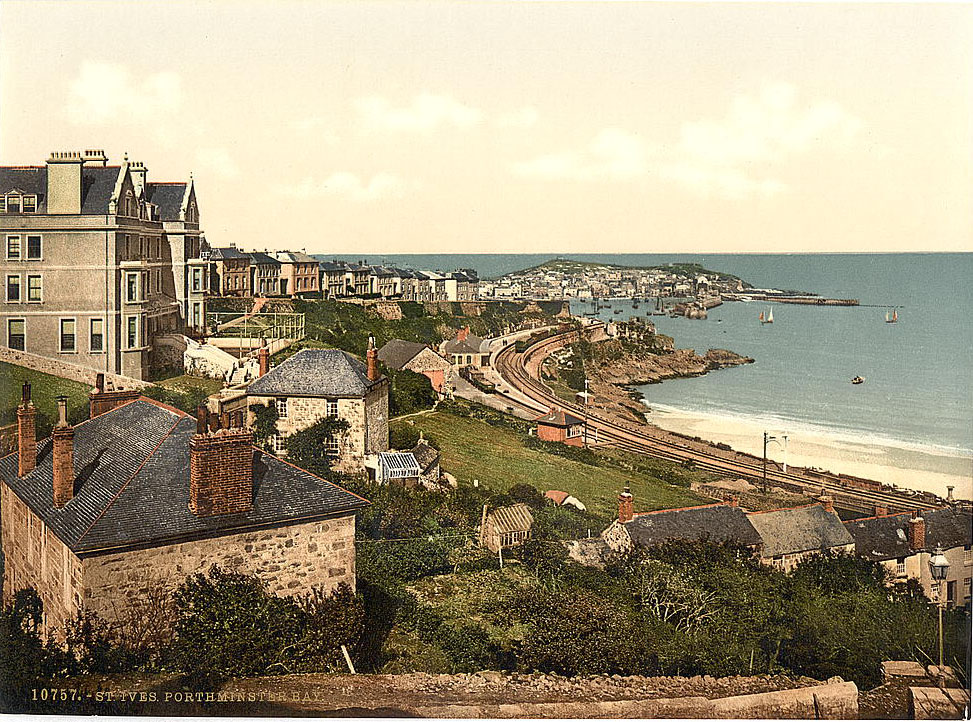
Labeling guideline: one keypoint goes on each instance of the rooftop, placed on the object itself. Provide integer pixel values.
(714, 522)
(557, 417)
(315, 372)
(886, 537)
(397, 353)
(801, 529)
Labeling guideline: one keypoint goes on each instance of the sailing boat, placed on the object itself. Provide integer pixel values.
(893, 318)
(769, 318)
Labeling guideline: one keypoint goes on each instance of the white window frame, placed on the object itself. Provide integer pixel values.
(332, 446)
(278, 443)
(967, 555)
(128, 320)
(25, 248)
(15, 320)
(20, 202)
(197, 314)
(331, 408)
(60, 334)
(196, 282)
(281, 406)
(40, 288)
(20, 247)
(128, 279)
(900, 567)
(91, 334)
(20, 288)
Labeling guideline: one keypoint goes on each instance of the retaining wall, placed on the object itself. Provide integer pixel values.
(67, 370)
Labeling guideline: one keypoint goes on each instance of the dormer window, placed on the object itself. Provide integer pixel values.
(30, 204)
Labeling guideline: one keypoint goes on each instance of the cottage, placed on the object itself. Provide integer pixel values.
(557, 425)
(505, 527)
(428, 458)
(467, 349)
(106, 514)
(790, 535)
(315, 384)
(419, 358)
(903, 543)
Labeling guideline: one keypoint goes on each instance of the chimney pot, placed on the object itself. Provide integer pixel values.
(26, 433)
(827, 502)
(62, 440)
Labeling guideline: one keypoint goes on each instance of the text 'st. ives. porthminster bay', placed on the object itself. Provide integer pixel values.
(910, 423)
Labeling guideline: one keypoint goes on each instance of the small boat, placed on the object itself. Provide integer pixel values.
(858, 380)
(769, 318)
(892, 317)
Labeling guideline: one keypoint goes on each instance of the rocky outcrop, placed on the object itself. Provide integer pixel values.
(636, 369)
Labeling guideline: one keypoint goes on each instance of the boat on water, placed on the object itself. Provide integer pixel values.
(769, 318)
(858, 380)
(892, 317)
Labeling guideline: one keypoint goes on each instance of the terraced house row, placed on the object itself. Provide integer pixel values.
(97, 261)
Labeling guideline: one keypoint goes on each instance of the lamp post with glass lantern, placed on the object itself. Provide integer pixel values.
(767, 439)
(938, 569)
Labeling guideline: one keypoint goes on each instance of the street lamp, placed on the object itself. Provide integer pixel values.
(767, 439)
(938, 569)
(586, 413)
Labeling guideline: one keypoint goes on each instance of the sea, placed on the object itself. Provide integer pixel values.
(918, 389)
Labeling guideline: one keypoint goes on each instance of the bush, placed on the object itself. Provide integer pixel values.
(330, 620)
(410, 392)
(403, 436)
(308, 448)
(26, 662)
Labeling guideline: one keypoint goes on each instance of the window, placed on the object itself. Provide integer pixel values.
(331, 407)
(13, 204)
(13, 248)
(332, 447)
(68, 344)
(197, 280)
(13, 289)
(30, 204)
(34, 248)
(132, 287)
(16, 333)
(281, 408)
(197, 321)
(97, 336)
(575, 430)
(132, 332)
(967, 586)
(34, 289)
(951, 592)
(967, 555)
(278, 443)
(900, 566)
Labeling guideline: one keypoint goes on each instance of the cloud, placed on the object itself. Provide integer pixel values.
(106, 92)
(613, 154)
(425, 114)
(525, 117)
(351, 186)
(219, 161)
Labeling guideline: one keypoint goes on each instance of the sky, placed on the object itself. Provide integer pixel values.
(435, 127)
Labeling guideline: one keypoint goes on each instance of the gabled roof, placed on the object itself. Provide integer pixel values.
(315, 372)
(168, 197)
(132, 487)
(557, 417)
(801, 529)
(886, 537)
(333, 266)
(714, 522)
(31, 180)
(516, 517)
(425, 454)
(397, 353)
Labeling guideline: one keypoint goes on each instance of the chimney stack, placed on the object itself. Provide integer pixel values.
(100, 400)
(917, 532)
(827, 502)
(263, 359)
(949, 494)
(463, 333)
(626, 506)
(733, 500)
(881, 510)
(371, 356)
(62, 439)
(26, 433)
(220, 468)
(64, 182)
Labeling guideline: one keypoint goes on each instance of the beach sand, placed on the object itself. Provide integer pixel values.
(904, 466)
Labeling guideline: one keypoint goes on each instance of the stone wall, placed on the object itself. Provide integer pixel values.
(8, 439)
(66, 370)
(377, 419)
(35, 557)
(290, 560)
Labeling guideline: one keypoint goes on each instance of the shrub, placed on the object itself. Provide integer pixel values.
(403, 436)
(308, 448)
(25, 661)
(410, 392)
(330, 620)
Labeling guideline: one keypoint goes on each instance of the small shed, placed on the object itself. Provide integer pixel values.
(428, 459)
(505, 527)
(557, 425)
(399, 467)
(563, 498)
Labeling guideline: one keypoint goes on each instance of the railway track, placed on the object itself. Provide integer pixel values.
(513, 367)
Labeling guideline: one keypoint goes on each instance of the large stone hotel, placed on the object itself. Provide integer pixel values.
(97, 261)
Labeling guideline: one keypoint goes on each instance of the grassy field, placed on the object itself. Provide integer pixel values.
(473, 449)
(186, 384)
(44, 392)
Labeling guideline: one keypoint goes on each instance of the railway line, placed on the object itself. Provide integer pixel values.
(514, 368)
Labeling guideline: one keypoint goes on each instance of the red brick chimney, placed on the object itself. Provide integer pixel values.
(263, 360)
(26, 433)
(371, 357)
(827, 502)
(100, 401)
(733, 500)
(62, 439)
(626, 506)
(917, 531)
(220, 469)
(463, 333)
(881, 510)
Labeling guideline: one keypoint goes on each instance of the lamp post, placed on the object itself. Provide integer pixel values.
(938, 569)
(586, 412)
(767, 439)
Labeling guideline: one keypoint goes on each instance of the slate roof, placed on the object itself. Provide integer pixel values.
(262, 259)
(801, 529)
(425, 454)
(397, 353)
(512, 518)
(333, 266)
(315, 372)
(295, 257)
(168, 197)
(886, 537)
(32, 180)
(217, 254)
(714, 522)
(132, 486)
(559, 418)
(472, 344)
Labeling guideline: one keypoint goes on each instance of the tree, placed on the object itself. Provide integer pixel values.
(410, 392)
(308, 448)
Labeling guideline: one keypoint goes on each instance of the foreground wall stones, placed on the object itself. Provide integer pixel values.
(67, 370)
(289, 560)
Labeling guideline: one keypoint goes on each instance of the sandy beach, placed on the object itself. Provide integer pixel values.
(904, 465)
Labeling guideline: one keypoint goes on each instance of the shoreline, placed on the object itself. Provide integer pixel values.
(902, 466)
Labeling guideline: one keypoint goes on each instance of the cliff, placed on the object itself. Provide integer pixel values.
(623, 367)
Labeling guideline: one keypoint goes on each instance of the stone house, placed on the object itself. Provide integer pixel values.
(789, 536)
(505, 527)
(419, 358)
(428, 458)
(903, 544)
(98, 262)
(557, 425)
(467, 350)
(230, 272)
(314, 384)
(113, 514)
(384, 282)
